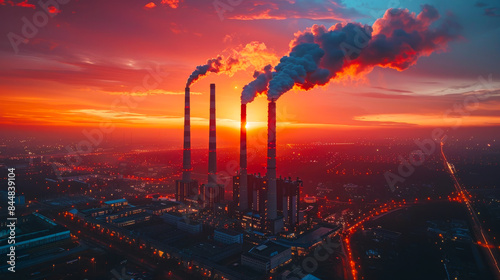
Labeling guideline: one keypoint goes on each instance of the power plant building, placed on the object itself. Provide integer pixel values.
(265, 202)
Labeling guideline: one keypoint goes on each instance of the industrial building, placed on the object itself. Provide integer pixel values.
(271, 203)
(267, 257)
(287, 198)
(32, 231)
(228, 236)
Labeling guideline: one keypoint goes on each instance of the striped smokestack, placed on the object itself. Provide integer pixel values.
(186, 156)
(243, 159)
(271, 161)
(212, 144)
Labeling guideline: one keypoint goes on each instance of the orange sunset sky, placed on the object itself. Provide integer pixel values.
(80, 68)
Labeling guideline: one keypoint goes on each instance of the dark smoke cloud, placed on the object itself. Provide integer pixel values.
(300, 67)
(401, 38)
(319, 54)
(213, 65)
(257, 86)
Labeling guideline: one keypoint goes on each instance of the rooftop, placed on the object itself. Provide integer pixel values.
(115, 201)
(309, 238)
(175, 214)
(161, 206)
(210, 249)
(189, 222)
(267, 250)
(34, 226)
(93, 210)
(315, 235)
(131, 218)
(228, 231)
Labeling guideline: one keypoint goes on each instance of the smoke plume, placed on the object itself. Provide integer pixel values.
(253, 54)
(257, 86)
(319, 55)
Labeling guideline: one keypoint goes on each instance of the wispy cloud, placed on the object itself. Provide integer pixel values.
(174, 4)
(23, 3)
(285, 9)
(492, 12)
(151, 92)
(431, 120)
(383, 95)
(393, 90)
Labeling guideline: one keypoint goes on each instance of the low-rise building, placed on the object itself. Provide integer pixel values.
(161, 208)
(32, 231)
(189, 226)
(228, 236)
(116, 203)
(132, 219)
(267, 257)
(172, 218)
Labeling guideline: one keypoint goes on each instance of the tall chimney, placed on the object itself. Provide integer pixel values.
(186, 156)
(271, 161)
(212, 144)
(243, 159)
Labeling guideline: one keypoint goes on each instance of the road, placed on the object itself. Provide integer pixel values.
(350, 269)
(351, 272)
(481, 235)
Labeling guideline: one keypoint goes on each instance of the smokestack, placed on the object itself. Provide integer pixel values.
(186, 156)
(243, 159)
(271, 161)
(212, 144)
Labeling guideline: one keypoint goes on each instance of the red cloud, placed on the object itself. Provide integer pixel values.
(174, 4)
(285, 9)
(401, 37)
(320, 54)
(150, 5)
(19, 4)
(54, 10)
